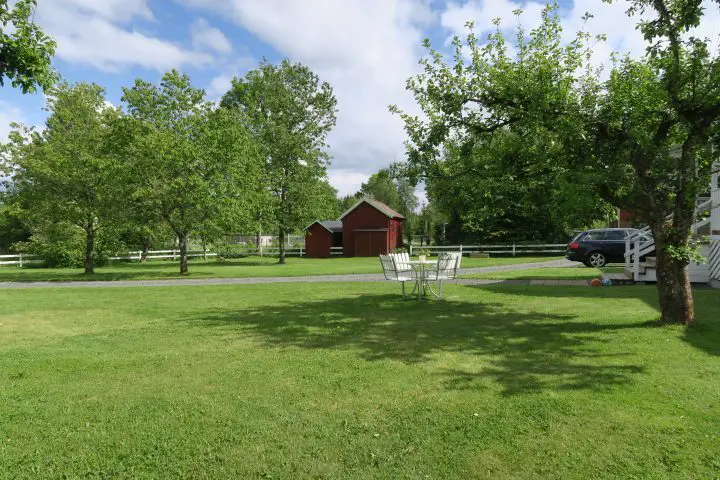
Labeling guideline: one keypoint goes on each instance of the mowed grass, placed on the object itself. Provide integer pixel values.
(349, 381)
(243, 267)
(554, 273)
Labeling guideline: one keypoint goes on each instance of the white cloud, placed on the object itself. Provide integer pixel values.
(610, 19)
(206, 37)
(366, 49)
(347, 182)
(219, 85)
(87, 33)
(482, 13)
(111, 10)
(8, 114)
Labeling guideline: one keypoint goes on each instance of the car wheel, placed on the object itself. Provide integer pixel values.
(596, 260)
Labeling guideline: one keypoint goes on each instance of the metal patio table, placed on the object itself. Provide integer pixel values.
(421, 269)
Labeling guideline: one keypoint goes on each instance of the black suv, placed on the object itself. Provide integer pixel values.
(597, 248)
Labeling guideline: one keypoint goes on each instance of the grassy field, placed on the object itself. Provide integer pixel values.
(560, 273)
(244, 267)
(349, 381)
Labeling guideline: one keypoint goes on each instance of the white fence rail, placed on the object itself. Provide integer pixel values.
(20, 260)
(269, 251)
(161, 254)
(513, 249)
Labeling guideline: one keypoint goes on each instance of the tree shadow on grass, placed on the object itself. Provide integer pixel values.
(521, 351)
(704, 336)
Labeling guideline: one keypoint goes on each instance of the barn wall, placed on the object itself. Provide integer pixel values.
(370, 243)
(363, 217)
(318, 242)
(395, 232)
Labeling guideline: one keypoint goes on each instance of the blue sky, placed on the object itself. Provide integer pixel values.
(365, 48)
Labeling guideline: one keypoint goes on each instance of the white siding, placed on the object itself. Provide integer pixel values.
(714, 253)
(715, 194)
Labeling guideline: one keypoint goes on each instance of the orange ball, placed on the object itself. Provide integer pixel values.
(595, 282)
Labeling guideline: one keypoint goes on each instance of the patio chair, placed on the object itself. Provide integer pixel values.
(392, 272)
(447, 269)
(401, 261)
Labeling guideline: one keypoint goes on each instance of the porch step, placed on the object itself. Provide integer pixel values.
(618, 278)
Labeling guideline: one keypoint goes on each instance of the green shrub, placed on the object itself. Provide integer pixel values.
(59, 245)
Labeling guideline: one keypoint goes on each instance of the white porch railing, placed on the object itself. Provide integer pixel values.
(641, 242)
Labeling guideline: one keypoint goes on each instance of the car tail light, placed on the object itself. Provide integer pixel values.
(574, 246)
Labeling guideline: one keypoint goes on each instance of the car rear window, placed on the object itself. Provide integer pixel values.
(594, 236)
(577, 237)
(615, 235)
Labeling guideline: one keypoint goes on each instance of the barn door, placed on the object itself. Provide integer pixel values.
(370, 244)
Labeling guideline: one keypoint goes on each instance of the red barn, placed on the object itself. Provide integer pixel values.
(368, 229)
(320, 237)
(371, 228)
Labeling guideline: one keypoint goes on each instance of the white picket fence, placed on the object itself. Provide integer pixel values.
(162, 254)
(513, 249)
(19, 260)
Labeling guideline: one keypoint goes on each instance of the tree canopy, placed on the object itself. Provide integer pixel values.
(194, 165)
(25, 51)
(289, 113)
(546, 113)
(66, 173)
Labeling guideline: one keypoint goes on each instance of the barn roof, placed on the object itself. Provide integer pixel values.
(331, 226)
(379, 206)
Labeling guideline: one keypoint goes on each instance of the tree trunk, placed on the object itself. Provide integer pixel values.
(673, 284)
(89, 249)
(183, 240)
(281, 240)
(144, 254)
(674, 290)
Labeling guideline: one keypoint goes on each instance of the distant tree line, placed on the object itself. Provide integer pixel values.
(168, 163)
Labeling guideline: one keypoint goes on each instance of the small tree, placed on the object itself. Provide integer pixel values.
(290, 113)
(191, 164)
(65, 174)
(25, 51)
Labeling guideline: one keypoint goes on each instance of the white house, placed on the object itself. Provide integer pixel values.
(714, 253)
(707, 272)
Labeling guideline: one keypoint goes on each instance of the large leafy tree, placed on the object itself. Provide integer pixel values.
(506, 190)
(654, 128)
(290, 112)
(67, 174)
(25, 51)
(641, 139)
(381, 187)
(194, 166)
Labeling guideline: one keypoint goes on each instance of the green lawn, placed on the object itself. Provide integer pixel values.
(560, 273)
(349, 381)
(244, 267)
